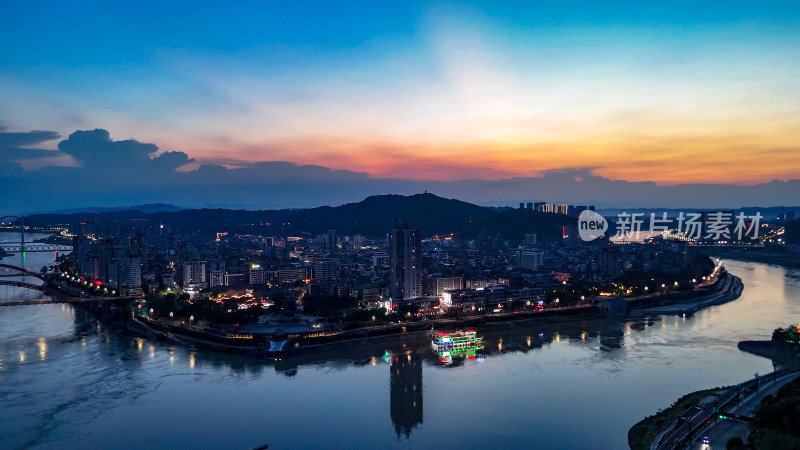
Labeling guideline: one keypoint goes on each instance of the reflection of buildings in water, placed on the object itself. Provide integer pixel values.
(405, 375)
(612, 335)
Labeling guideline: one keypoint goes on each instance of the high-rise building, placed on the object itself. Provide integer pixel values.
(358, 242)
(109, 249)
(405, 255)
(529, 258)
(256, 274)
(331, 241)
(216, 278)
(325, 270)
(194, 273)
(125, 275)
(611, 263)
(132, 283)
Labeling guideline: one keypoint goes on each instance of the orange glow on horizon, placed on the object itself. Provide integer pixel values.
(738, 159)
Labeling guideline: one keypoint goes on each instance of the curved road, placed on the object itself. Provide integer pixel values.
(720, 432)
(695, 418)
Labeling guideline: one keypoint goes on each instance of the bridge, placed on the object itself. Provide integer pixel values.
(58, 294)
(24, 272)
(21, 246)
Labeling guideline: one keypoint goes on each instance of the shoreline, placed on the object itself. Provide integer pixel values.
(726, 289)
(785, 259)
(781, 356)
(764, 349)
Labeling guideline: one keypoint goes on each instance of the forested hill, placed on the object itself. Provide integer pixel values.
(373, 217)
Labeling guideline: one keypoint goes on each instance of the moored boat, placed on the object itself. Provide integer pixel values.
(456, 340)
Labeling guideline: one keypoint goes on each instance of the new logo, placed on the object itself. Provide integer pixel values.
(591, 225)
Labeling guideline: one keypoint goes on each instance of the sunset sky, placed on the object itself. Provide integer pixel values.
(673, 93)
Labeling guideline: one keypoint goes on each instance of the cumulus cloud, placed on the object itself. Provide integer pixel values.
(95, 149)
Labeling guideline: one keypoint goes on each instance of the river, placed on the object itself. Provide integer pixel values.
(67, 381)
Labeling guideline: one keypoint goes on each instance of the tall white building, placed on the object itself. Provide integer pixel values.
(529, 258)
(194, 273)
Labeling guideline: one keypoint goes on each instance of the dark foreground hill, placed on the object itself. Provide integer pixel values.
(373, 217)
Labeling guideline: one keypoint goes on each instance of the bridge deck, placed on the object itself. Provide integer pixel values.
(28, 302)
(35, 247)
(54, 301)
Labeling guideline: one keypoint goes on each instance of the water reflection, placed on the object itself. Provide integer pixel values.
(42, 344)
(405, 386)
(456, 357)
(111, 374)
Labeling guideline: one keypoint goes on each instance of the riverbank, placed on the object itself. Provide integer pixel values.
(54, 239)
(756, 255)
(728, 288)
(645, 432)
(781, 356)
(654, 427)
(260, 342)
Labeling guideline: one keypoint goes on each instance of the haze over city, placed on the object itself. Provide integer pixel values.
(283, 105)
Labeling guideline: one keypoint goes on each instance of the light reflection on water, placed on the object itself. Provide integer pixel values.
(578, 385)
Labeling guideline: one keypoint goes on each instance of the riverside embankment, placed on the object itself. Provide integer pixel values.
(725, 288)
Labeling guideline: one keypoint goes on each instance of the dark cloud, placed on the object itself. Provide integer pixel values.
(35, 137)
(95, 148)
(15, 153)
(12, 149)
(119, 173)
(169, 161)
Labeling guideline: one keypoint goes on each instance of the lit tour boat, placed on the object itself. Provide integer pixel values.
(457, 340)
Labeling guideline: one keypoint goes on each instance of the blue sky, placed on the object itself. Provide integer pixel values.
(670, 92)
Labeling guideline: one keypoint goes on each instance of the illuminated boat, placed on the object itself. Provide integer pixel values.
(446, 355)
(457, 340)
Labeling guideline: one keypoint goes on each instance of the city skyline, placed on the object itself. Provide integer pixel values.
(421, 93)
